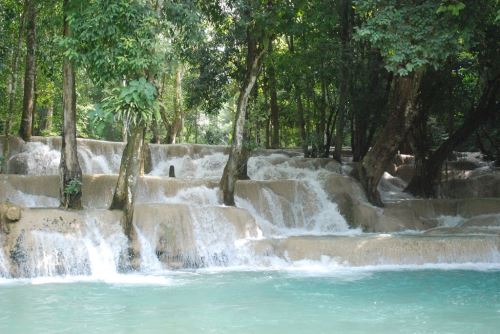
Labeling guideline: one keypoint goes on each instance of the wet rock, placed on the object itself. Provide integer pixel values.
(405, 172)
(18, 164)
(480, 185)
(9, 213)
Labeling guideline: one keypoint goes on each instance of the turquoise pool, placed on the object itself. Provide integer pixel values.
(343, 301)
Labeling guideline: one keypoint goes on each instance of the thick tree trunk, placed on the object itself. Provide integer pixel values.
(176, 126)
(231, 170)
(130, 167)
(275, 120)
(29, 74)
(402, 113)
(345, 14)
(69, 168)
(11, 94)
(426, 180)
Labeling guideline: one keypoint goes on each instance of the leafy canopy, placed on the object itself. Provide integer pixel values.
(410, 34)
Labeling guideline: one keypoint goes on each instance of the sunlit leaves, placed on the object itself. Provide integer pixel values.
(114, 39)
(135, 102)
(409, 35)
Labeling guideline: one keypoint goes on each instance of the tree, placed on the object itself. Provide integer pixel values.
(236, 154)
(481, 69)
(11, 91)
(254, 16)
(346, 25)
(117, 43)
(30, 71)
(175, 126)
(69, 168)
(410, 37)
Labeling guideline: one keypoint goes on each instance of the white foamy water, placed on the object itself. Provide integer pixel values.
(450, 221)
(216, 239)
(4, 271)
(28, 200)
(36, 159)
(299, 206)
(98, 164)
(208, 166)
(104, 254)
(195, 196)
(312, 214)
(391, 188)
(88, 252)
(149, 260)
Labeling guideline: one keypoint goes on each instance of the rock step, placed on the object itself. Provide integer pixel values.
(383, 249)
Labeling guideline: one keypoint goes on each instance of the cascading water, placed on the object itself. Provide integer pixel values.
(35, 159)
(149, 260)
(288, 216)
(4, 271)
(83, 252)
(208, 166)
(39, 158)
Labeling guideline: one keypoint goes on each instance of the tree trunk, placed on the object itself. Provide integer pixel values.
(11, 93)
(29, 74)
(275, 135)
(321, 125)
(402, 113)
(46, 118)
(231, 170)
(130, 167)
(345, 14)
(425, 181)
(155, 138)
(176, 125)
(301, 121)
(69, 169)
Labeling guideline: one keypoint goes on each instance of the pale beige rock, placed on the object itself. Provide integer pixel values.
(385, 249)
(13, 213)
(405, 172)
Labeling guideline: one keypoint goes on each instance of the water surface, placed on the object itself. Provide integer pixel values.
(343, 301)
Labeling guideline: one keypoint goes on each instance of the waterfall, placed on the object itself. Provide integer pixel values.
(208, 166)
(215, 238)
(43, 157)
(86, 252)
(4, 271)
(104, 254)
(285, 215)
(149, 259)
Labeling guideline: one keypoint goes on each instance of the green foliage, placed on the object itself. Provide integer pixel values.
(73, 187)
(410, 35)
(134, 103)
(452, 6)
(114, 39)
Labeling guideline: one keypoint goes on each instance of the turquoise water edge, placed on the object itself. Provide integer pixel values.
(342, 301)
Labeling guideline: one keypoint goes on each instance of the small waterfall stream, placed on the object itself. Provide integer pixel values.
(4, 271)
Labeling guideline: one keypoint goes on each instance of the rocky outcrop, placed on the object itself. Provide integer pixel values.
(481, 185)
